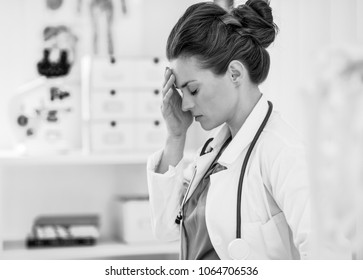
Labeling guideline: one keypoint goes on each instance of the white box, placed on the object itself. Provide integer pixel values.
(150, 135)
(109, 103)
(148, 104)
(128, 72)
(112, 136)
(105, 73)
(134, 220)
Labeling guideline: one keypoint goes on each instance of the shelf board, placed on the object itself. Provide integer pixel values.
(8, 159)
(74, 158)
(16, 250)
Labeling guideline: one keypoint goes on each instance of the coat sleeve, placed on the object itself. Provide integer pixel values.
(166, 192)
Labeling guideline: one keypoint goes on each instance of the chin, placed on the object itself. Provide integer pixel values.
(208, 126)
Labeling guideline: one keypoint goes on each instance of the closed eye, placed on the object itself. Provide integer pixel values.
(194, 92)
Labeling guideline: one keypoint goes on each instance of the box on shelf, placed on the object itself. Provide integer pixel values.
(112, 136)
(127, 71)
(111, 103)
(134, 221)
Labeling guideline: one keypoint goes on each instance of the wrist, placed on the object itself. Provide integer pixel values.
(175, 146)
(180, 139)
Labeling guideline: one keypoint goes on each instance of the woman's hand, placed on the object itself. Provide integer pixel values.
(177, 121)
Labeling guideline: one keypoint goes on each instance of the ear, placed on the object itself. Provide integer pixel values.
(236, 71)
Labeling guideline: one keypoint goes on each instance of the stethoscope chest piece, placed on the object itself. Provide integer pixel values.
(238, 249)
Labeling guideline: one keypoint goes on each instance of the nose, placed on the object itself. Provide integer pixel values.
(187, 103)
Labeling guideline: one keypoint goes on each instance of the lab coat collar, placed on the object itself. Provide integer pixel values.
(243, 137)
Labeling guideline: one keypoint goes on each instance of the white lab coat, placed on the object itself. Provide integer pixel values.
(276, 178)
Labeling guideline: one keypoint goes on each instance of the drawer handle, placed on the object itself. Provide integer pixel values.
(156, 92)
(156, 60)
(113, 123)
(113, 92)
(22, 120)
(156, 123)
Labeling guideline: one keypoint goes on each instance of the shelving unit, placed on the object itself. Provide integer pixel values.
(10, 159)
(17, 250)
(104, 164)
(75, 158)
(104, 249)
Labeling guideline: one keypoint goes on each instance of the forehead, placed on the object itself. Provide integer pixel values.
(186, 69)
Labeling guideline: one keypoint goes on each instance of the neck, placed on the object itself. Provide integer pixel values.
(243, 108)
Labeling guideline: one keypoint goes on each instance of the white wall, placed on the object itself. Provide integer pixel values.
(306, 27)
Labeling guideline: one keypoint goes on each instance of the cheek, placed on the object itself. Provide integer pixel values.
(215, 100)
(218, 103)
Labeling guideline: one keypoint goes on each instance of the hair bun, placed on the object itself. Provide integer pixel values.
(257, 21)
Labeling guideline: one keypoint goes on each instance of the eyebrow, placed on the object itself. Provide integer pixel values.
(185, 84)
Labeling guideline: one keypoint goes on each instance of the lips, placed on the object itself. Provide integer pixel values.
(197, 117)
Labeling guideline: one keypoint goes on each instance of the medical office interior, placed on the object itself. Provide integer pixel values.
(80, 85)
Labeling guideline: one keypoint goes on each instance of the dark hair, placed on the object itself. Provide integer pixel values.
(216, 37)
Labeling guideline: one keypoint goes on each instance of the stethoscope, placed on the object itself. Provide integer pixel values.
(238, 248)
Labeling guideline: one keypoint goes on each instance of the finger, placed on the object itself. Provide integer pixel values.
(169, 84)
(166, 75)
(167, 96)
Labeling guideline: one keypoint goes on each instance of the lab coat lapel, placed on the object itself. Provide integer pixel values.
(202, 164)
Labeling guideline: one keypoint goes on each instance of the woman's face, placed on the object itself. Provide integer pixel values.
(210, 98)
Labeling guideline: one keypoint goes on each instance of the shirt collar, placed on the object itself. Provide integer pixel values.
(243, 137)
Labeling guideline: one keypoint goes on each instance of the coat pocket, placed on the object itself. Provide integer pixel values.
(270, 240)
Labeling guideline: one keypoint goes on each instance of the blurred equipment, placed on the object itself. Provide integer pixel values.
(334, 103)
(55, 231)
(44, 117)
(104, 10)
(134, 221)
(59, 52)
(45, 113)
(100, 9)
(54, 4)
(123, 6)
(53, 69)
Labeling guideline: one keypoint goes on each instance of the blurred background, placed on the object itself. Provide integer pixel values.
(80, 88)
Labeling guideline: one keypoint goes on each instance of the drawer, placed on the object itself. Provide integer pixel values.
(148, 104)
(150, 135)
(152, 72)
(112, 104)
(127, 72)
(110, 136)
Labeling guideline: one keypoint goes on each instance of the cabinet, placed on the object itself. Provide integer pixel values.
(122, 104)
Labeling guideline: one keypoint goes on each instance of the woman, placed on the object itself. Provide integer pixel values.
(246, 194)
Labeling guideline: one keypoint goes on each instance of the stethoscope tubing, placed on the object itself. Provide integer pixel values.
(243, 170)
